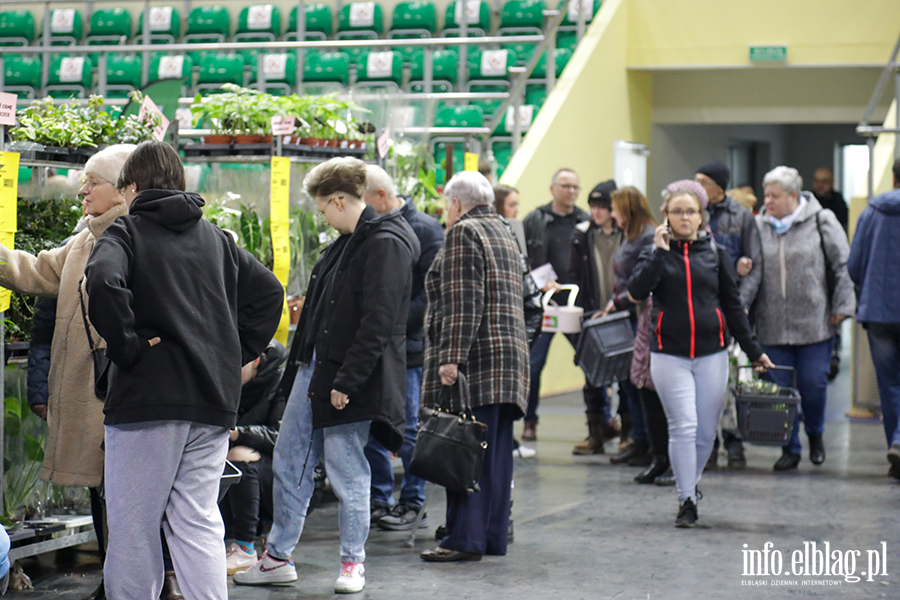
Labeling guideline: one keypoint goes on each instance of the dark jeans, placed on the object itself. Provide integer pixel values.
(812, 363)
(248, 500)
(884, 342)
(479, 522)
(657, 425)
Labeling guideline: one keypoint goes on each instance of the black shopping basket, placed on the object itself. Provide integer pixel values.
(766, 418)
(604, 349)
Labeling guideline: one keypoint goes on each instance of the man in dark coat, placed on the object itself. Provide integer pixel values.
(356, 340)
(382, 196)
(828, 197)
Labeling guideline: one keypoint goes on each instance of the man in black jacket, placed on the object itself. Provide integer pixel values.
(182, 308)
(382, 196)
(355, 336)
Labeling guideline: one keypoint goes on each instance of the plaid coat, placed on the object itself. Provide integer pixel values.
(475, 315)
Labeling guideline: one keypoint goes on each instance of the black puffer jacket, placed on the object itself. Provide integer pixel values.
(695, 295)
(361, 339)
(261, 408)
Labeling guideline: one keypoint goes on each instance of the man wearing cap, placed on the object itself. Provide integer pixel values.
(591, 267)
(733, 227)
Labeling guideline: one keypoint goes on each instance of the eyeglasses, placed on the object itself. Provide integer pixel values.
(569, 187)
(321, 211)
(691, 212)
(89, 184)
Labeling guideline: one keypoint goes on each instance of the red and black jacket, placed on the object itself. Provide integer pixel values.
(696, 300)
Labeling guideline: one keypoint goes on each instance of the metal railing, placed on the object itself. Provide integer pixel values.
(872, 131)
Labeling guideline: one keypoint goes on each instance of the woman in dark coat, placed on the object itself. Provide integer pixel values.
(475, 324)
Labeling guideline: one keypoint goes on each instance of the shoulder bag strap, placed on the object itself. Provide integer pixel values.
(84, 316)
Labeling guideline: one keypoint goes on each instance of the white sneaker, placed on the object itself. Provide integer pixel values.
(352, 578)
(524, 452)
(268, 571)
(237, 559)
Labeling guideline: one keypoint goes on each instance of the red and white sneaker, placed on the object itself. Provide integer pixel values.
(352, 578)
(268, 571)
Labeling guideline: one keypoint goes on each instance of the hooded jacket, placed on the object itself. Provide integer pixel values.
(734, 228)
(874, 263)
(695, 296)
(360, 342)
(793, 307)
(261, 408)
(162, 271)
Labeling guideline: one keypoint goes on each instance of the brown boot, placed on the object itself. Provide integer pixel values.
(594, 442)
(625, 432)
(170, 590)
(529, 432)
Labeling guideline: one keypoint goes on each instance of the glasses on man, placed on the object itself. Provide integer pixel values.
(569, 187)
(88, 183)
(321, 211)
(677, 212)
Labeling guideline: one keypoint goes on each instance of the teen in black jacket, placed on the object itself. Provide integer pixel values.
(695, 296)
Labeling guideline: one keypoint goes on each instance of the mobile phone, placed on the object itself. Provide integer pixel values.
(668, 232)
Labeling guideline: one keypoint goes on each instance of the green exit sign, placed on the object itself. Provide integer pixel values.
(768, 53)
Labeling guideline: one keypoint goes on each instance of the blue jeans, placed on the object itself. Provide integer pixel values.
(812, 364)
(884, 342)
(412, 489)
(297, 452)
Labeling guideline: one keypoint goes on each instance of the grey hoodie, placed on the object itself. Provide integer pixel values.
(792, 305)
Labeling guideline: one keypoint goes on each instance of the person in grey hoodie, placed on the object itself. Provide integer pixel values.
(806, 293)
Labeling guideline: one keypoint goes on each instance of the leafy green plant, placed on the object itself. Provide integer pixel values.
(414, 176)
(22, 461)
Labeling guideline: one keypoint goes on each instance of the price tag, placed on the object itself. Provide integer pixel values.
(384, 142)
(473, 11)
(259, 17)
(7, 109)
(279, 212)
(493, 62)
(71, 69)
(470, 162)
(362, 14)
(526, 116)
(9, 182)
(323, 237)
(160, 18)
(148, 106)
(62, 20)
(275, 66)
(170, 67)
(282, 125)
(580, 7)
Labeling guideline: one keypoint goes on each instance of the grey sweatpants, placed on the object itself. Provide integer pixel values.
(164, 472)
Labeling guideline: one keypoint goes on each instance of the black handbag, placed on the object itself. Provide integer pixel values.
(101, 361)
(450, 448)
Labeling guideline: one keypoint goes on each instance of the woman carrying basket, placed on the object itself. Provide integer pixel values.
(695, 297)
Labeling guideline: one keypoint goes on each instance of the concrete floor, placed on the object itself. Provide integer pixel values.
(585, 530)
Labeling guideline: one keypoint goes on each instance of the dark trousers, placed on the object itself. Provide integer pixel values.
(479, 522)
(248, 500)
(657, 425)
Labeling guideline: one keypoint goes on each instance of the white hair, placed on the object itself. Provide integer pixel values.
(788, 177)
(471, 188)
(378, 179)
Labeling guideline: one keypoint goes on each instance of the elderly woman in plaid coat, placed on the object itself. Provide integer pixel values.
(475, 324)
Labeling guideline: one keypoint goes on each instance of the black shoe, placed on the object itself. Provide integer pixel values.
(170, 589)
(403, 518)
(441, 555)
(893, 457)
(712, 462)
(659, 466)
(666, 479)
(816, 449)
(440, 533)
(787, 462)
(632, 451)
(99, 593)
(687, 514)
(834, 367)
(377, 512)
(736, 458)
(642, 460)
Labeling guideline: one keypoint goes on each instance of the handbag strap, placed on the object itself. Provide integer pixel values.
(87, 329)
(464, 394)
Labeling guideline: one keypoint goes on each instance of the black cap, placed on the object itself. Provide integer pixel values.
(601, 195)
(718, 172)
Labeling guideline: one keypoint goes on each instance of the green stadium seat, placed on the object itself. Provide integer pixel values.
(412, 20)
(207, 24)
(478, 23)
(16, 28)
(22, 74)
(216, 69)
(70, 76)
(505, 126)
(572, 8)
(490, 66)
(327, 67)
(379, 69)
(360, 21)
(562, 58)
(258, 23)
(567, 40)
(164, 66)
(488, 107)
(123, 75)
(66, 27)
(502, 152)
(109, 26)
(523, 16)
(536, 94)
(165, 25)
(281, 73)
(444, 71)
(459, 116)
(318, 22)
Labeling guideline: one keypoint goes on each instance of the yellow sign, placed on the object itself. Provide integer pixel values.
(279, 219)
(471, 162)
(9, 184)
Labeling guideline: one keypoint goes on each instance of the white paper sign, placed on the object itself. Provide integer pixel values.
(62, 20)
(259, 17)
(282, 125)
(71, 68)
(161, 18)
(526, 114)
(384, 142)
(148, 106)
(543, 274)
(403, 116)
(473, 10)
(579, 7)
(379, 64)
(362, 14)
(7, 109)
(493, 62)
(170, 67)
(185, 118)
(275, 66)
